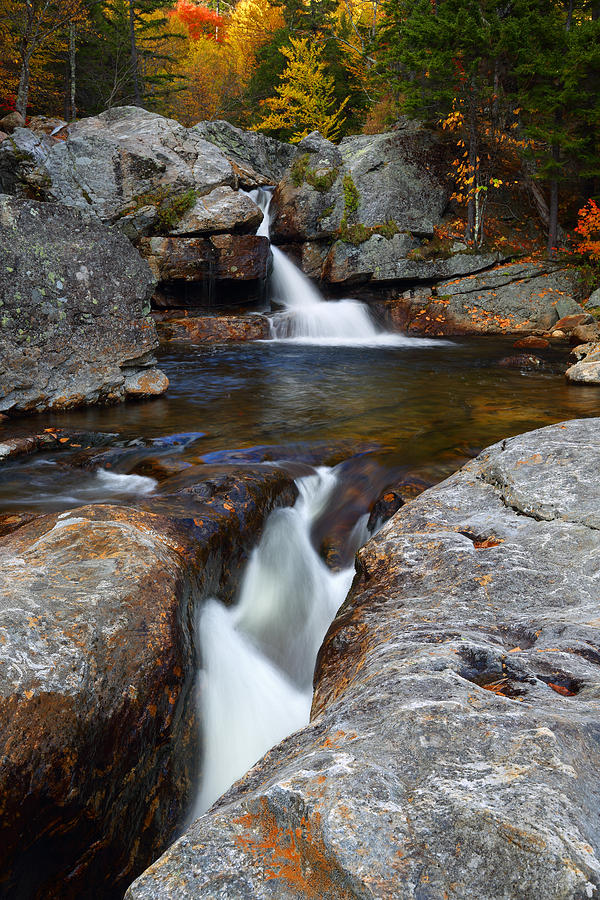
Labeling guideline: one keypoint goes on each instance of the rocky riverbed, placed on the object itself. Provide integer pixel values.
(453, 747)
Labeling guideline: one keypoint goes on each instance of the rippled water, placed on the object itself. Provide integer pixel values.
(427, 407)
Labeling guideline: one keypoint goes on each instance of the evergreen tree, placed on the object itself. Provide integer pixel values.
(448, 64)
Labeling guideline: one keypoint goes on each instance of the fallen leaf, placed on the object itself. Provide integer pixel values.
(561, 690)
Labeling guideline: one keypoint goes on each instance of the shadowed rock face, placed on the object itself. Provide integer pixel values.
(98, 730)
(74, 328)
(454, 748)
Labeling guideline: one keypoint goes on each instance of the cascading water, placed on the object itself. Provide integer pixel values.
(258, 657)
(310, 319)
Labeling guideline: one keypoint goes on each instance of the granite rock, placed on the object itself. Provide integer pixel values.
(454, 745)
(74, 299)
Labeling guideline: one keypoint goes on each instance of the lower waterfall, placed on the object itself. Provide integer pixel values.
(258, 656)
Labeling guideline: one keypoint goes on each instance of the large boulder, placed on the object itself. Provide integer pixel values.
(368, 182)
(111, 163)
(220, 211)
(516, 298)
(454, 747)
(227, 258)
(99, 741)
(74, 311)
(256, 159)
(585, 368)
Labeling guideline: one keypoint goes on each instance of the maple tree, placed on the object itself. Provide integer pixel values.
(588, 229)
(200, 20)
(32, 26)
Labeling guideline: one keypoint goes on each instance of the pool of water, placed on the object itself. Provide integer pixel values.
(427, 406)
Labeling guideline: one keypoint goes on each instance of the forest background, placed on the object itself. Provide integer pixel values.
(514, 85)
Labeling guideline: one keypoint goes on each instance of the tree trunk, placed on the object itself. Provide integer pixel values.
(473, 165)
(569, 21)
(553, 206)
(72, 74)
(134, 57)
(23, 91)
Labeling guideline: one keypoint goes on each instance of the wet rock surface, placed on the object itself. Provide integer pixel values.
(586, 366)
(74, 324)
(214, 329)
(454, 748)
(224, 257)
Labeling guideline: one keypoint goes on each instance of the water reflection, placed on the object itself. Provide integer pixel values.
(427, 409)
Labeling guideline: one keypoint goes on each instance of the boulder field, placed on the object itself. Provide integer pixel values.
(358, 216)
(454, 745)
(170, 190)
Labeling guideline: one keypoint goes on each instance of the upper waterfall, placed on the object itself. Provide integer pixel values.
(307, 317)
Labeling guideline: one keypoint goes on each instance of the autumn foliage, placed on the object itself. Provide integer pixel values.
(200, 20)
(588, 229)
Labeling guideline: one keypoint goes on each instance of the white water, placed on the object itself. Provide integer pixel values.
(308, 318)
(258, 657)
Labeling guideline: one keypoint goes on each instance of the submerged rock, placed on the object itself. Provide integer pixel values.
(214, 329)
(522, 361)
(74, 304)
(454, 746)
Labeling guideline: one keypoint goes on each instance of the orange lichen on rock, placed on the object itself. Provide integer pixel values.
(296, 855)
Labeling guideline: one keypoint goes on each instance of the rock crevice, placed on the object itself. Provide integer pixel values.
(453, 748)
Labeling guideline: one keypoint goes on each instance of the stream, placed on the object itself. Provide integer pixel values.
(415, 409)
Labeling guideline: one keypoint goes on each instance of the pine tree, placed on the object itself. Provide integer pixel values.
(447, 62)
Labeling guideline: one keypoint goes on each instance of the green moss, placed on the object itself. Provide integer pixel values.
(298, 170)
(358, 233)
(436, 248)
(351, 195)
(301, 172)
(324, 182)
(387, 230)
(170, 207)
(354, 234)
(173, 209)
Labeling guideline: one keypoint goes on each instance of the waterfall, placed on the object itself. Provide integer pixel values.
(258, 656)
(310, 319)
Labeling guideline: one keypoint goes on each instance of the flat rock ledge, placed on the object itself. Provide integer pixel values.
(454, 748)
